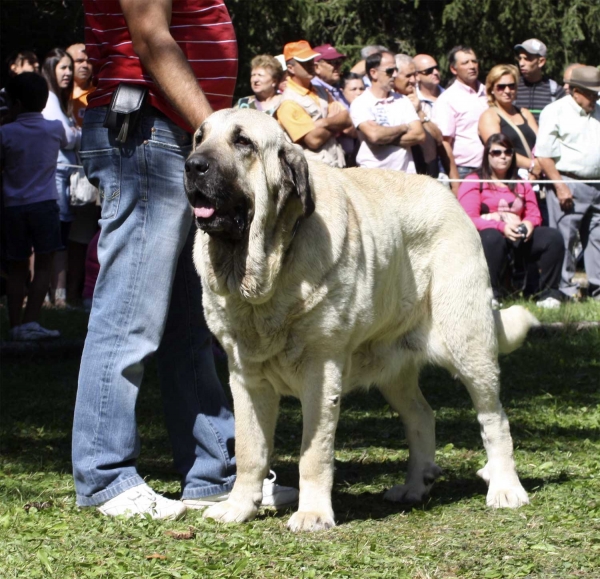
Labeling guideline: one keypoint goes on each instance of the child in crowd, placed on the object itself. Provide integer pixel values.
(29, 148)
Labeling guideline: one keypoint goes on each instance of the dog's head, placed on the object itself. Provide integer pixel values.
(243, 167)
(248, 186)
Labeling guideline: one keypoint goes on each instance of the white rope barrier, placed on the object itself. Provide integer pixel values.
(446, 180)
(533, 181)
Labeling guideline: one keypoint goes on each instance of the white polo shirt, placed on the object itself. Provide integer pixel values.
(392, 111)
(571, 137)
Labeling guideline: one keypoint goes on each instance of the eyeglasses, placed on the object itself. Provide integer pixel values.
(500, 152)
(389, 71)
(336, 62)
(509, 86)
(428, 71)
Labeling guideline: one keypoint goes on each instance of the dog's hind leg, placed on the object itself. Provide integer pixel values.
(471, 354)
(405, 397)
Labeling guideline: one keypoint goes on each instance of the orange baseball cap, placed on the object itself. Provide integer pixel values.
(300, 51)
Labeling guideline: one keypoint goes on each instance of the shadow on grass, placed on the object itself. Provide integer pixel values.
(37, 395)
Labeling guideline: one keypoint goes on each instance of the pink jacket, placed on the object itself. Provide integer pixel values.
(478, 199)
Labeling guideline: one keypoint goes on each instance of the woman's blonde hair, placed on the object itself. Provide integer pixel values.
(270, 64)
(495, 75)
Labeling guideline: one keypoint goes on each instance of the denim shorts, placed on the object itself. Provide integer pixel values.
(34, 227)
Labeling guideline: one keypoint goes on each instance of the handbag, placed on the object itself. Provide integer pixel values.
(82, 191)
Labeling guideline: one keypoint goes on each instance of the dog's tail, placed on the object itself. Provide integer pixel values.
(512, 325)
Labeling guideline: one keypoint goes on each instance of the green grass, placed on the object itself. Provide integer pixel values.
(551, 392)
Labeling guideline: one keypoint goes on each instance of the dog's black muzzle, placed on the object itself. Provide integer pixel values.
(219, 208)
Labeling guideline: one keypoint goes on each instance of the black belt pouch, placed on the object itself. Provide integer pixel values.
(125, 109)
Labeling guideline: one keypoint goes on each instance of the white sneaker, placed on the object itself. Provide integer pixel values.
(549, 303)
(277, 496)
(142, 500)
(32, 331)
(274, 496)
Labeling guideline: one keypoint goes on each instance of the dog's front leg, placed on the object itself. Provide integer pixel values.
(321, 399)
(256, 405)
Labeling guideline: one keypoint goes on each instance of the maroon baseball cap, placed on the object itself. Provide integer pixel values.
(327, 52)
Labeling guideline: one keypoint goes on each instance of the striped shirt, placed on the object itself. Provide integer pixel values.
(202, 29)
(536, 95)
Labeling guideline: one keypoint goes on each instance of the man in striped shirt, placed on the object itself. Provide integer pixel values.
(535, 89)
(147, 299)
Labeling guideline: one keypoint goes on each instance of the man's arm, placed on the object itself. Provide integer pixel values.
(415, 135)
(565, 197)
(379, 135)
(453, 171)
(148, 24)
(336, 123)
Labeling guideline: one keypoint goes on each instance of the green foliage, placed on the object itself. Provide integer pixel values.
(571, 29)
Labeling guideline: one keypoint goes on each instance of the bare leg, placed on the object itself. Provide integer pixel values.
(38, 287)
(58, 281)
(405, 397)
(256, 407)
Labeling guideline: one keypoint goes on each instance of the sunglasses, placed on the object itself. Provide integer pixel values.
(390, 71)
(334, 63)
(503, 87)
(428, 71)
(499, 152)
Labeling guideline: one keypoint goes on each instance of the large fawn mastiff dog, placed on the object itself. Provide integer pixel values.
(318, 281)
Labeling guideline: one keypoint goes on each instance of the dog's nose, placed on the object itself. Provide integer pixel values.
(197, 164)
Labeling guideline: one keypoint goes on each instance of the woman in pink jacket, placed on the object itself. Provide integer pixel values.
(508, 219)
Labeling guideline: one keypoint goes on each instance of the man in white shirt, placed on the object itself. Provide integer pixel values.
(568, 148)
(386, 121)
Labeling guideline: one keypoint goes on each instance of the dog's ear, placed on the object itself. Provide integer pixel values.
(295, 171)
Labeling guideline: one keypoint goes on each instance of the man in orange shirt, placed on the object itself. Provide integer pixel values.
(309, 114)
(82, 75)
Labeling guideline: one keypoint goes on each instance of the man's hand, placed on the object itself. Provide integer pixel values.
(565, 197)
(414, 99)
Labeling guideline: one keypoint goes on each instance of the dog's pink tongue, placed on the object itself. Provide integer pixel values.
(203, 212)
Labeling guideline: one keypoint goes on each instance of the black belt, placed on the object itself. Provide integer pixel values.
(572, 176)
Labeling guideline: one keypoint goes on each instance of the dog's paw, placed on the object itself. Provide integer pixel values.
(507, 497)
(407, 494)
(310, 521)
(231, 512)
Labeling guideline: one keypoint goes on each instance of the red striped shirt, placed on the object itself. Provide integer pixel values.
(202, 29)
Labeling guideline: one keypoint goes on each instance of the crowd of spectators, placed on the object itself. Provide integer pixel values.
(491, 142)
(41, 112)
(520, 151)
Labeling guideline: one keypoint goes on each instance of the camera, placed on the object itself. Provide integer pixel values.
(522, 231)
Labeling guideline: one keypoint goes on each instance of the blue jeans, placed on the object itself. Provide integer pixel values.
(147, 301)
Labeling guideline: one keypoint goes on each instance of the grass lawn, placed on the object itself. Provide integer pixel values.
(551, 392)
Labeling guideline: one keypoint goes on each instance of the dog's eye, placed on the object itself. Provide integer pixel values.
(197, 138)
(243, 141)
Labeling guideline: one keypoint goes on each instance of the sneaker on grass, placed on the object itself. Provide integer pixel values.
(32, 331)
(549, 303)
(142, 500)
(274, 496)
